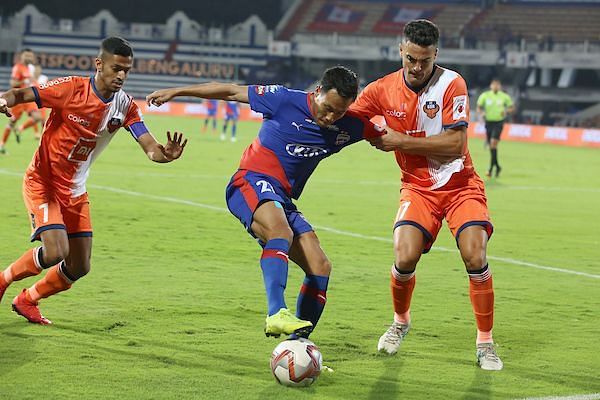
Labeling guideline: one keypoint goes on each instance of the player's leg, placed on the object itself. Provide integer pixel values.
(224, 130)
(255, 202)
(55, 248)
(494, 146)
(47, 225)
(35, 118)
(12, 122)
(306, 251)
(468, 220)
(214, 122)
(417, 224)
(487, 135)
(233, 130)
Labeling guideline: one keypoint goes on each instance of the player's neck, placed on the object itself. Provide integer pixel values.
(101, 89)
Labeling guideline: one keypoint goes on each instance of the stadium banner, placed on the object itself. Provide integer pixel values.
(210, 70)
(337, 18)
(195, 110)
(575, 137)
(395, 17)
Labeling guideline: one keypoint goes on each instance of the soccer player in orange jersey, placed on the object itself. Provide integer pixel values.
(37, 79)
(21, 78)
(427, 108)
(86, 113)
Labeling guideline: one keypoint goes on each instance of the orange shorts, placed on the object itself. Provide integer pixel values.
(462, 207)
(47, 212)
(19, 109)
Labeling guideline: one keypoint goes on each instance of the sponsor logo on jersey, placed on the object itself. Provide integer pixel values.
(459, 107)
(431, 108)
(55, 82)
(396, 114)
(304, 151)
(261, 90)
(79, 120)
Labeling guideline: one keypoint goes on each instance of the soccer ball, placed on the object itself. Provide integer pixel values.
(296, 362)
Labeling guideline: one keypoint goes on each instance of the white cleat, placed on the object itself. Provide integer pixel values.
(487, 358)
(390, 341)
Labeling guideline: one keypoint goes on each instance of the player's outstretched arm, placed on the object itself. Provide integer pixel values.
(14, 97)
(212, 90)
(159, 153)
(450, 143)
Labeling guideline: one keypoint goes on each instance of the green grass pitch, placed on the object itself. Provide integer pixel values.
(174, 305)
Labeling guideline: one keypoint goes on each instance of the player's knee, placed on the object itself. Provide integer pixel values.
(323, 267)
(56, 253)
(281, 232)
(82, 270)
(406, 256)
(474, 260)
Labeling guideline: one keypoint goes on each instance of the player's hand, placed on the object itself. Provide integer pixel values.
(4, 107)
(174, 147)
(160, 97)
(391, 141)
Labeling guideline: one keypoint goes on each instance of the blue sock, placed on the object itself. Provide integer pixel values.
(312, 298)
(274, 265)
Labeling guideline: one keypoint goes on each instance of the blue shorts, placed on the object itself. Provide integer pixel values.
(211, 113)
(247, 190)
(233, 118)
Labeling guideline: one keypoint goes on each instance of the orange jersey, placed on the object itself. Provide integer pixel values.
(80, 126)
(21, 72)
(442, 104)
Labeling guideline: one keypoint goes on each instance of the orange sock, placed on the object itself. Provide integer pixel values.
(5, 135)
(402, 285)
(54, 282)
(28, 124)
(481, 291)
(26, 265)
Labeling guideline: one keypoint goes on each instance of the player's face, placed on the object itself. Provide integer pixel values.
(329, 106)
(417, 61)
(495, 86)
(113, 70)
(27, 57)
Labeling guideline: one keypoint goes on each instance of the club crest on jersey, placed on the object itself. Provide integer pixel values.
(342, 138)
(115, 123)
(431, 108)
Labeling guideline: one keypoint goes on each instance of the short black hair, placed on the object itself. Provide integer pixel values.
(117, 46)
(342, 79)
(26, 49)
(422, 32)
(496, 79)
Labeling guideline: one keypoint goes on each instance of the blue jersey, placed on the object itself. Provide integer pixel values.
(232, 109)
(211, 107)
(290, 144)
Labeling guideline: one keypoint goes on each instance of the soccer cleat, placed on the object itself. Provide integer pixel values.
(489, 173)
(498, 169)
(28, 309)
(286, 323)
(222, 136)
(487, 358)
(390, 341)
(233, 139)
(2, 150)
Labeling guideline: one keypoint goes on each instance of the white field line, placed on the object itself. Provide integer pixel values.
(327, 229)
(591, 396)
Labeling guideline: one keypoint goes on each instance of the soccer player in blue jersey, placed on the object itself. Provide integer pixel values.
(232, 114)
(212, 106)
(299, 130)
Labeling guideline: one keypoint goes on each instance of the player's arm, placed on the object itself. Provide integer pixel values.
(445, 146)
(14, 97)
(162, 153)
(212, 90)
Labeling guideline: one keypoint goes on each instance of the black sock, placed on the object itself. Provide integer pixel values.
(494, 158)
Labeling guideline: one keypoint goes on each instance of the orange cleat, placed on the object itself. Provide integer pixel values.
(28, 309)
